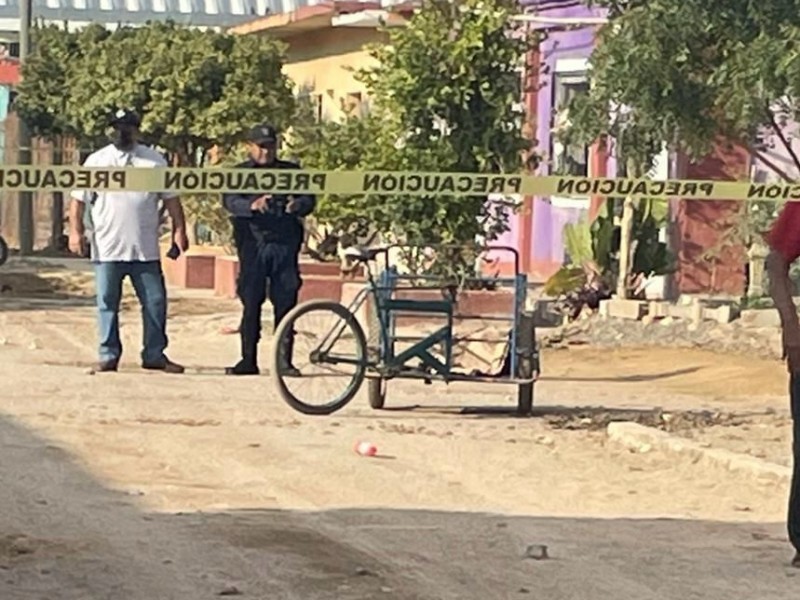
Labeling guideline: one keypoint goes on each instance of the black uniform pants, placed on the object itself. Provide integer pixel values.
(266, 269)
(794, 496)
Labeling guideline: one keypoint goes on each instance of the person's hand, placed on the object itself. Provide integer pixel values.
(291, 205)
(180, 239)
(77, 244)
(791, 349)
(260, 204)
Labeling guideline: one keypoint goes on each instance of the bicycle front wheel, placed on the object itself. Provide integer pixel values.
(319, 357)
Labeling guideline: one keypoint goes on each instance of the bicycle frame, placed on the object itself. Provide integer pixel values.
(387, 308)
(390, 364)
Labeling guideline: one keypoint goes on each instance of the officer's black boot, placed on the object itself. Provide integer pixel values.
(287, 367)
(249, 363)
(243, 367)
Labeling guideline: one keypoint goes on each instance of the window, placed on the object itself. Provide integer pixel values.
(185, 6)
(106, 5)
(352, 103)
(572, 159)
(318, 105)
(160, 6)
(260, 7)
(212, 7)
(132, 5)
(237, 7)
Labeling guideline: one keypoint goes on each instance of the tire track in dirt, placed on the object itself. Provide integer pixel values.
(41, 332)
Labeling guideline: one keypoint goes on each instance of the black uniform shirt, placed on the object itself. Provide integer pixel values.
(275, 226)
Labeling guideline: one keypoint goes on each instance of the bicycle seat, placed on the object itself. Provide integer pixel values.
(362, 254)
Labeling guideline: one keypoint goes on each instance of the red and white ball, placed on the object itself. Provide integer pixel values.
(366, 449)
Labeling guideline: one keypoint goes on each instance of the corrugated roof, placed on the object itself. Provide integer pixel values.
(206, 13)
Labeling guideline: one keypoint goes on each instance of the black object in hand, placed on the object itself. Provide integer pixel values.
(174, 252)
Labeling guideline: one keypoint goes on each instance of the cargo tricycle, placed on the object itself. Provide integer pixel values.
(334, 348)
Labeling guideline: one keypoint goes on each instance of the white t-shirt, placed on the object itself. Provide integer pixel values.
(124, 225)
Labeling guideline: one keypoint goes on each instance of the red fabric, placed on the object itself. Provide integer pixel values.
(784, 237)
(9, 71)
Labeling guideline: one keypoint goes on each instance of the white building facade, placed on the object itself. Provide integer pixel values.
(197, 13)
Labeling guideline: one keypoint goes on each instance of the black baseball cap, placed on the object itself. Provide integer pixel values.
(263, 134)
(123, 117)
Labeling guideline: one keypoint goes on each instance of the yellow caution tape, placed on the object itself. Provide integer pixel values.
(383, 183)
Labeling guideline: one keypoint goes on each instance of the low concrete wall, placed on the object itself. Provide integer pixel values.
(639, 438)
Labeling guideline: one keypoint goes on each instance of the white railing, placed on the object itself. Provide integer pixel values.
(207, 13)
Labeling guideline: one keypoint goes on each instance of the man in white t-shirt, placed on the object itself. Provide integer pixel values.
(124, 238)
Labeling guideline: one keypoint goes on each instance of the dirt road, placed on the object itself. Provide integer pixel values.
(146, 486)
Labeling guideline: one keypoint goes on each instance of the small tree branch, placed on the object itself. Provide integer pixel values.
(786, 105)
(779, 132)
(768, 162)
(758, 155)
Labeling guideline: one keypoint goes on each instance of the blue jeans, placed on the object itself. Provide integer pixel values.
(148, 282)
(794, 495)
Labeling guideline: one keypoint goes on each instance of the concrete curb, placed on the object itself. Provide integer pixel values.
(637, 437)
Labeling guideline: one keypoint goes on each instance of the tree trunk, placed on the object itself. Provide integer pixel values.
(632, 171)
(626, 229)
(57, 211)
(191, 230)
(756, 255)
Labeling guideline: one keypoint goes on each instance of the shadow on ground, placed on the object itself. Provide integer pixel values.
(24, 291)
(46, 286)
(64, 535)
(628, 378)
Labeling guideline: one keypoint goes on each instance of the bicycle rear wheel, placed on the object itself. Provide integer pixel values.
(319, 357)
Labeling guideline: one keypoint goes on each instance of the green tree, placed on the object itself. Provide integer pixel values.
(46, 76)
(194, 89)
(659, 79)
(214, 221)
(446, 90)
(43, 93)
(635, 142)
(735, 77)
(331, 146)
(444, 96)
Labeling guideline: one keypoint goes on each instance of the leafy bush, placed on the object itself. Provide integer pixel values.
(593, 256)
(195, 90)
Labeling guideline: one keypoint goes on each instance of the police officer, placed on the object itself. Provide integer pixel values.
(268, 232)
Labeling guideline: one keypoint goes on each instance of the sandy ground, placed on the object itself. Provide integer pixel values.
(148, 486)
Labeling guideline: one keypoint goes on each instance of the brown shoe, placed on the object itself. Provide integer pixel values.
(166, 365)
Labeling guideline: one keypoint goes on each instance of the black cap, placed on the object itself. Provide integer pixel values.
(263, 134)
(123, 116)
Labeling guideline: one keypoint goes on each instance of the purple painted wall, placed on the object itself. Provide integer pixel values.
(547, 244)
